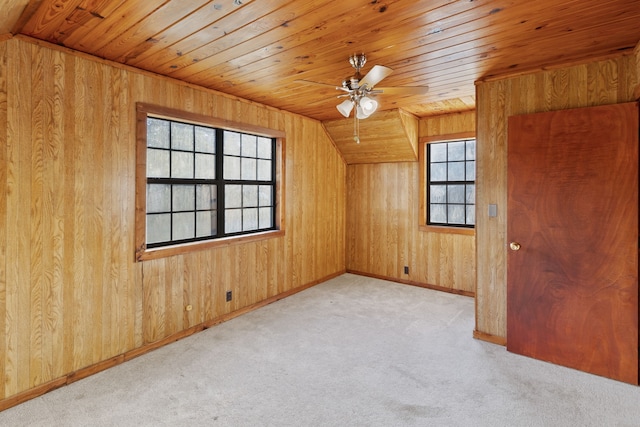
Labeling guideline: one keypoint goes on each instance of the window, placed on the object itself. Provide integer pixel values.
(451, 171)
(203, 180)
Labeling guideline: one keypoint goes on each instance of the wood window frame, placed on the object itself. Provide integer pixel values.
(424, 202)
(144, 110)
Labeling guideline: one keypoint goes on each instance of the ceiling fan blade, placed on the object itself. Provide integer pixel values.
(375, 75)
(404, 90)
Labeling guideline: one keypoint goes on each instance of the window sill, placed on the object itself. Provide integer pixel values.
(144, 254)
(448, 230)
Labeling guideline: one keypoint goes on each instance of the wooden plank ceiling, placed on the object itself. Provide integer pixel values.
(258, 49)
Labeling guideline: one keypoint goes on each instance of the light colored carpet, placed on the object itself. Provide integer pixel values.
(353, 351)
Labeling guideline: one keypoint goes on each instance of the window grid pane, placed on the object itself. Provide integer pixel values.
(206, 183)
(451, 183)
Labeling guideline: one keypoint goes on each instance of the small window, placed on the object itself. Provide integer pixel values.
(203, 182)
(451, 174)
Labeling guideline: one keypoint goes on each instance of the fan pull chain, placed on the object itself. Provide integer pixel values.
(356, 129)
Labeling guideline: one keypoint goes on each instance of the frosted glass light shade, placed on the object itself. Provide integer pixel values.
(345, 107)
(368, 105)
(360, 114)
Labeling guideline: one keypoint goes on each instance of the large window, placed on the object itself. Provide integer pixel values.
(451, 171)
(203, 181)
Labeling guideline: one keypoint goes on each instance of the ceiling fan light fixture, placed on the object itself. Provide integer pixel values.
(360, 113)
(361, 91)
(368, 105)
(345, 107)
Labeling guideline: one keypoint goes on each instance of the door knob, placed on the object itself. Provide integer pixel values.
(515, 246)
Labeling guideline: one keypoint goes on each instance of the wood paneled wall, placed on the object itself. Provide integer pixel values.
(596, 83)
(71, 294)
(383, 232)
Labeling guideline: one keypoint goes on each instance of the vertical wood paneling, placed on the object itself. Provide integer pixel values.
(67, 90)
(71, 293)
(38, 216)
(96, 288)
(3, 210)
(81, 317)
(108, 225)
(54, 177)
(18, 314)
(136, 290)
(490, 232)
(220, 282)
(122, 229)
(590, 84)
(173, 296)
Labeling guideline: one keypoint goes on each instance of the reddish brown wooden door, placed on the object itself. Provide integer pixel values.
(572, 286)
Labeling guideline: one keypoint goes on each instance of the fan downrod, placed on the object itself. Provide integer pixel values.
(357, 61)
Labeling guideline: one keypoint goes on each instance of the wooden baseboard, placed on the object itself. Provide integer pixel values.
(132, 354)
(413, 283)
(94, 369)
(32, 393)
(116, 360)
(494, 339)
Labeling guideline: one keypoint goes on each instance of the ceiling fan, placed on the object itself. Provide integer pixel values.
(361, 91)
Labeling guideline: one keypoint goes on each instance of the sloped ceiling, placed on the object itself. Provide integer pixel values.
(390, 136)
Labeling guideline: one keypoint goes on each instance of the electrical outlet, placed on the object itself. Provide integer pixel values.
(229, 296)
(406, 269)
